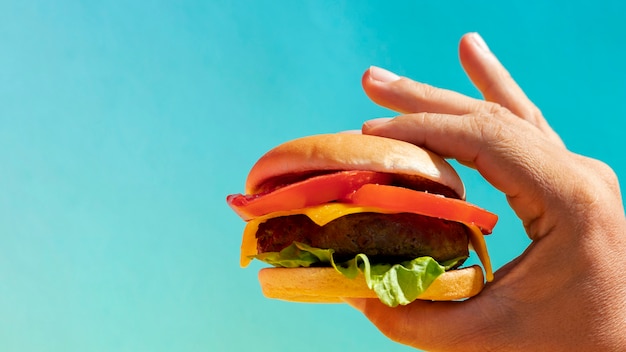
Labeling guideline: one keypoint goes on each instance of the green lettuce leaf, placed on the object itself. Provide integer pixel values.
(297, 255)
(394, 284)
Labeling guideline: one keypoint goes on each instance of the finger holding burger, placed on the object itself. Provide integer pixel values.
(565, 292)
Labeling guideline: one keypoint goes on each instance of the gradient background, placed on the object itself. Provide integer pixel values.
(123, 126)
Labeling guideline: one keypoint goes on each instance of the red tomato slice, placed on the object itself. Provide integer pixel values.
(313, 191)
(409, 201)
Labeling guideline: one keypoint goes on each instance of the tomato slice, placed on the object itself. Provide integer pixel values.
(409, 201)
(313, 191)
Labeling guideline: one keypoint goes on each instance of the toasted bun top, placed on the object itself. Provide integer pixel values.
(347, 151)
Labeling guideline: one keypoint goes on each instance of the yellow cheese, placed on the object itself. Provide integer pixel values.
(323, 214)
(477, 241)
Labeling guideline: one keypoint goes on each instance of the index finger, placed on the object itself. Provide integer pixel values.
(510, 153)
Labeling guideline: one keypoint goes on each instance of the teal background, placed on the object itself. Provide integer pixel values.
(123, 126)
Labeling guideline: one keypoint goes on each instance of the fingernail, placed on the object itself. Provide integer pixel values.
(368, 125)
(350, 132)
(375, 122)
(382, 75)
(480, 42)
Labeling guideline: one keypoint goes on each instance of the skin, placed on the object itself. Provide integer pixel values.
(567, 291)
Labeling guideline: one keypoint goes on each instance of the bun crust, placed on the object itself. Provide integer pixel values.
(347, 151)
(326, 285)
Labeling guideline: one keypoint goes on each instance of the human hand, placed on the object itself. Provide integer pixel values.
(567, 291)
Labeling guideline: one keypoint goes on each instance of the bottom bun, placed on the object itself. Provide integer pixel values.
(326, 285)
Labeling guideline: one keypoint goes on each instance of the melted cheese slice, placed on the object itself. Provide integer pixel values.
(478, 244)
(325, 213)
(320, 214)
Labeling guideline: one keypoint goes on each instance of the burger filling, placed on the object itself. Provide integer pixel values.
(391, 238)
(401, 232)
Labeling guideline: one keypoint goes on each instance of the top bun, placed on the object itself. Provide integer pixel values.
(348, 151)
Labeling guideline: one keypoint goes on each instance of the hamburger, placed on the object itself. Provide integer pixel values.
(351, 215)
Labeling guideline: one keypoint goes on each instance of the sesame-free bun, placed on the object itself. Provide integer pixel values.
(326, 285)
(347, 151)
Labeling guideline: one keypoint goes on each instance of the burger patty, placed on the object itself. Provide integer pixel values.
(382, 237)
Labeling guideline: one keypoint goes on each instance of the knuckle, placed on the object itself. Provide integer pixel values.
(536, 113)
(533, 114)
(596, 184)
(496, 109)
(489, 127)
(427, 92)
(606, 174)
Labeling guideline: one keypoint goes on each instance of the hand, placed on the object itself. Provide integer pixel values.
(567, 291)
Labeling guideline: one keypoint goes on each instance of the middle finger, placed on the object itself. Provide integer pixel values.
(406, 96)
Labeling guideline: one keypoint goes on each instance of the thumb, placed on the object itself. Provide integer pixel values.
(441, 326)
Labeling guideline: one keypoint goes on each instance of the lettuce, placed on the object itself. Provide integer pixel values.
(394, 284)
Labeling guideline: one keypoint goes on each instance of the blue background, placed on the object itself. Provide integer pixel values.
(123, 126)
